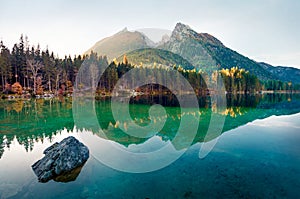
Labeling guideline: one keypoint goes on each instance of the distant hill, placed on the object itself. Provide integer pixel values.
(283, 73)
(120, 43)
(158, 56)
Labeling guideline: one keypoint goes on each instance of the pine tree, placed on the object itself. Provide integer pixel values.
(5, 66)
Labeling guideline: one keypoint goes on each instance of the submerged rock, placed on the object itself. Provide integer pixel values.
(68, 176)
(61, 159)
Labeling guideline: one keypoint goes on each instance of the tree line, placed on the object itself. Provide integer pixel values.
(233, 80)
(35, 70)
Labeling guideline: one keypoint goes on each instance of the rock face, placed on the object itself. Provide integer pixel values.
(120, 43)
(61, 158)
(208, 53)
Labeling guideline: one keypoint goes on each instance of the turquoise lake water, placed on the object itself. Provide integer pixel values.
(257, 154)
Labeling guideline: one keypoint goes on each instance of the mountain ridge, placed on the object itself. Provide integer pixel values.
(208, 53)
(284, 73)
(202, 50)
(122, 42)
(148, 56)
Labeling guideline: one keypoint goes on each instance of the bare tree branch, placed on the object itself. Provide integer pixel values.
(34, 67)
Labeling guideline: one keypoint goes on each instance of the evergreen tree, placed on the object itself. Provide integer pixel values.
(5, 66)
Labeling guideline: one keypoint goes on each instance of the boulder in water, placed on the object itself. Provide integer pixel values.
(60, 159)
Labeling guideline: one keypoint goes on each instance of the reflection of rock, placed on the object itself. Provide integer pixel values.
(69, 176)
(62, 162)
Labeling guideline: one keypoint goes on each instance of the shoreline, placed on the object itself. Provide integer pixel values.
(137, 94)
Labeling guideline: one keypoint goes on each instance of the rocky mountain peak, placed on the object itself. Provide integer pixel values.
(124, 30)
(181, 27)
(180, 32)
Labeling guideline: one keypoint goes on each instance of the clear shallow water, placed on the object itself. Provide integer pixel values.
(257, 156)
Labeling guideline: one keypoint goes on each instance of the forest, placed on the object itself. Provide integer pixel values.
(34, 69)
(28, 70)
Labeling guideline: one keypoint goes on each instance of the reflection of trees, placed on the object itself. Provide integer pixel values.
(2, 145)
(240, 110)
(34, 120)
(243, 100)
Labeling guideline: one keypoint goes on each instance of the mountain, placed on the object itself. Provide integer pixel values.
(120, 43)
(158, 56)
(208, 53)
(201, 50)
(283, 73)
(183, 41)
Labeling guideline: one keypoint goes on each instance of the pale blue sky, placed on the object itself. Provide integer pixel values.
(264, 30)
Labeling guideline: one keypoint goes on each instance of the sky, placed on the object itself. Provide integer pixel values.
(263, 30)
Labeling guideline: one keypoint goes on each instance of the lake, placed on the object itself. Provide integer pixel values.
(252, 149)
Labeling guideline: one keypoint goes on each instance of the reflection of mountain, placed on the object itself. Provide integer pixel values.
(241, 109)
(36, 120)
(269, 105)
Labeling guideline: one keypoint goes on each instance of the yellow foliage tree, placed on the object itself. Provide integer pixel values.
(17, 88)
(125, 61)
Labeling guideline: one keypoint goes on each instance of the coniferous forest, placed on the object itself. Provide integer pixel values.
(28, 71)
